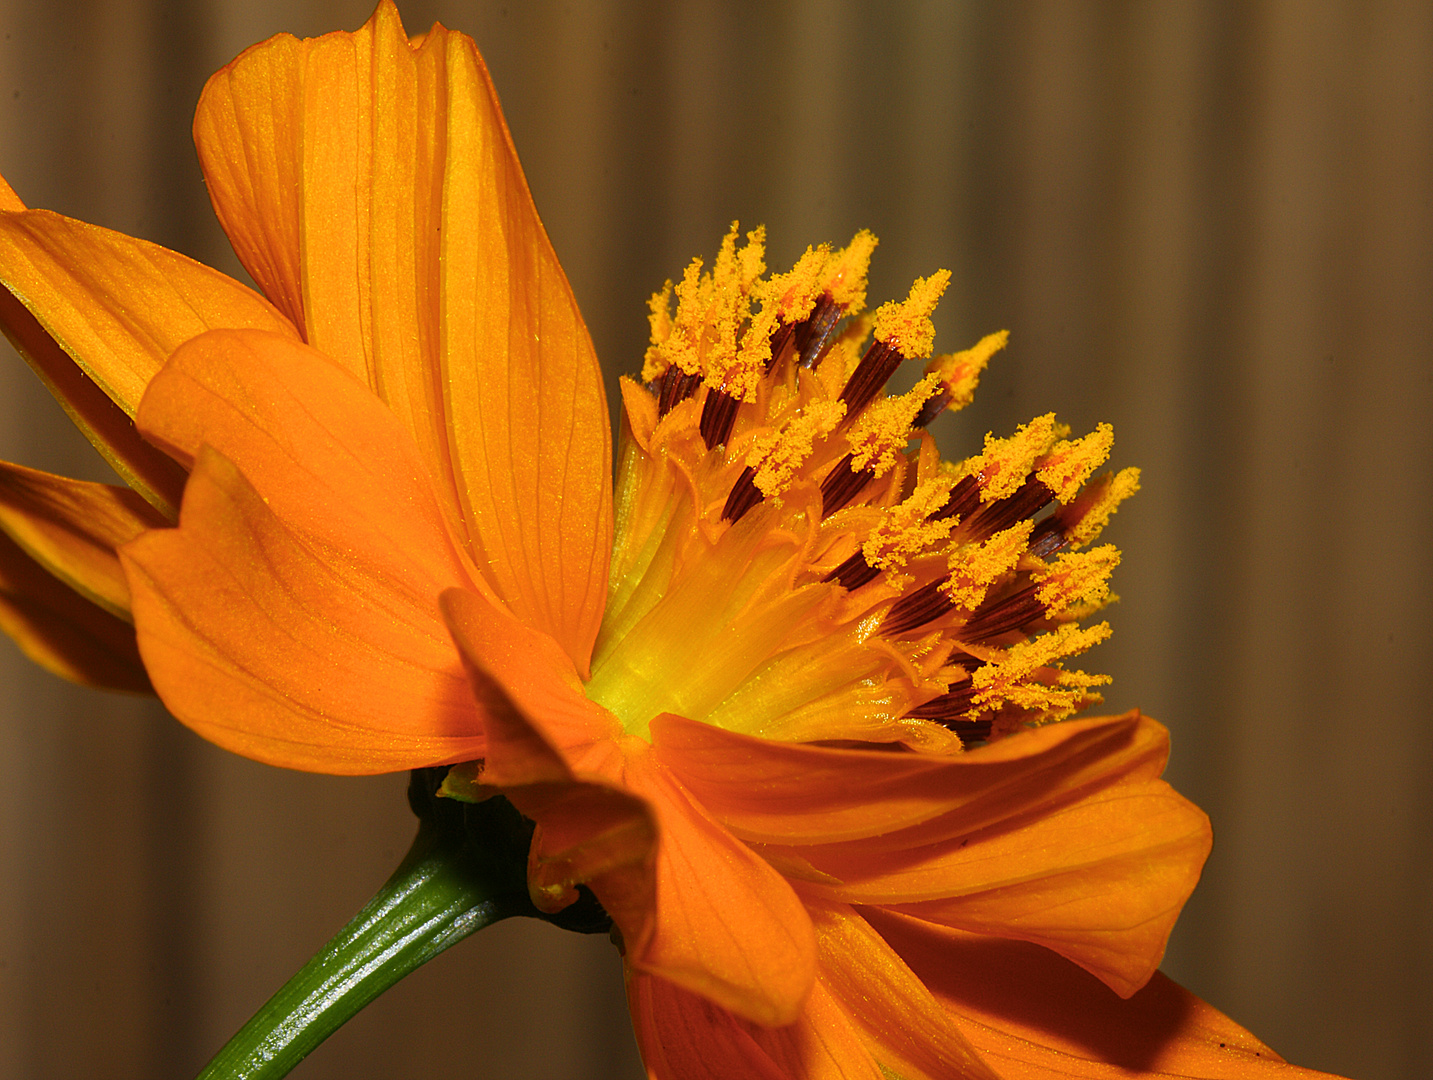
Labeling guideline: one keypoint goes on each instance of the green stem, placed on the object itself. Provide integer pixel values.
(466, 870)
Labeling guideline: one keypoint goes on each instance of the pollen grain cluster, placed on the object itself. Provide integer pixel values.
(793, 558)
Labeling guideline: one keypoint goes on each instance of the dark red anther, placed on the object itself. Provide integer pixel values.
(853, 573)
(744, 495)
(964, 498)
(933, 407)
(870, 376)
(996, 617)
(1048, 537)
(674, 386)
(948, 706)
(841, 485)
(917, 608)
(814, 333)
(1031, 497)
(718, 416)
(781, 341)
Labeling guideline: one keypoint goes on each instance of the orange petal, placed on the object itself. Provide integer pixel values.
(72, 529)
(437, 284)
(793, 793)
(585, 829)
(683, 1036)
(902, 1025)
(115, 306)
(1099, 880)
(329, 657)
(723, 924)
(542, 722)
(330, 460)
(61, 630)
(107, 426)
(1035, 1016)
(8, 199)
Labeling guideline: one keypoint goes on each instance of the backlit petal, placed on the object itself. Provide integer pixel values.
(437, 284)
(61, 630)
(1100, 880)
(903, 1026)
(585, 829)
(116, 307)
(1035, 1016)
(723, 923)
(289, 651)
(542, 722)
(72, 528)
(790, 793)
(683, 1036)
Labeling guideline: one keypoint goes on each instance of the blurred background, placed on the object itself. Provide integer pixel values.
(1208, 223)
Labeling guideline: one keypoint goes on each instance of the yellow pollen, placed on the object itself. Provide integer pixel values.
(779, 455)
(782, 625)
(1066, 467)
(906, 529)
(1006, 462)
(975, 567)
(845, 272)
(1103, 500)
(1077, 579)
(882, 430)
(960, 372)
(791, 296)
(906, 324)
(1023, 676)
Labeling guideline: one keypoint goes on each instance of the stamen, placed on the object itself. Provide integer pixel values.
(743, 496)
(903, 332)
(915, 609)
(853, 573)
(1032, 497)
(718, 416)
(674, 386)
(958, 374)
(842, 484)
(996, 617)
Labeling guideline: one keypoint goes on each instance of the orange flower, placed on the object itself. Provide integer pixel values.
(780, 723)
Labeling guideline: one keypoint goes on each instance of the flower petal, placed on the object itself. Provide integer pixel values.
(1070, 1025)
(683, 1036)
(791, 793)
(306, 656)
(61, 630)
(293, 616)
(704, 911)
(107, 426)
(73, 528)
(724, 923)
(1100, 880)
(902, 1025)
(116, 307)
(437, 283)
(542, 723)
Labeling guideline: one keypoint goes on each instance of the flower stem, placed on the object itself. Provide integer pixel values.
(466, 870)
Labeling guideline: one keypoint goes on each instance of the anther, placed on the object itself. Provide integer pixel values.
(842, 484)
(744, 495)
(853, 573)
(996, 617)
(813, 334)
(718, 416)
(870, 376)
(915, 609)
(674, 386)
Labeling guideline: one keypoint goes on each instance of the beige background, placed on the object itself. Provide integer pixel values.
(1210, 223)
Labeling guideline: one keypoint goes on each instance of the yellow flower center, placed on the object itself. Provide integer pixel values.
(794, 560)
